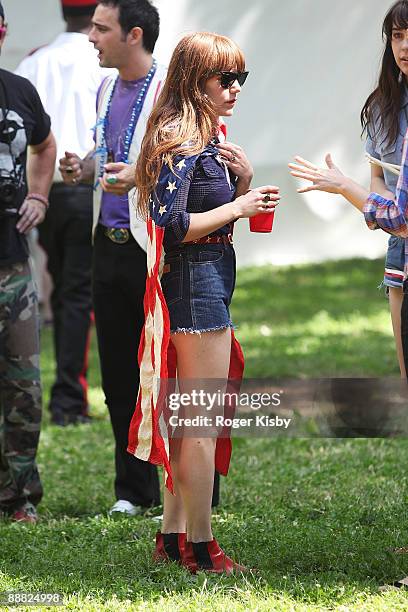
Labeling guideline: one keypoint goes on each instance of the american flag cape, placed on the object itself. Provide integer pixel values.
(148, 433)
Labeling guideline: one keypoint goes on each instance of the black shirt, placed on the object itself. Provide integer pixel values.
(23, 122)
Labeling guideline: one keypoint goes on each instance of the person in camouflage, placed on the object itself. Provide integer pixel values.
(20, 389)
(23, 203)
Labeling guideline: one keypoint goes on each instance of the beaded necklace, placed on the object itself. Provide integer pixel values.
(135, 114)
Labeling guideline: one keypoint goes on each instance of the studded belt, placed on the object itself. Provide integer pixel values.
(224, 239)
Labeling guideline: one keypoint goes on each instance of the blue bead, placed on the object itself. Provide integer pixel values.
(133, 118)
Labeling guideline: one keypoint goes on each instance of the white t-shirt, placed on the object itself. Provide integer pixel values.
(67, 75)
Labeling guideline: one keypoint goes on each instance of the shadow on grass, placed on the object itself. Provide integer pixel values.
(317, 518)
(300, 354)
(296, 293)
(324, 319)
(102, 560)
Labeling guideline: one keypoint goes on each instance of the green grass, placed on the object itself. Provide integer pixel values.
(317, 518)
(321, 320)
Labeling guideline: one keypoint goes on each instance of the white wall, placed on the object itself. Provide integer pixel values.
(312, 64)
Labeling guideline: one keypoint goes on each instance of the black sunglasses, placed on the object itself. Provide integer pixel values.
(228, 78)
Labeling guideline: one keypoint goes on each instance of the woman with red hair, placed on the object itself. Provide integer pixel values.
(193, 188)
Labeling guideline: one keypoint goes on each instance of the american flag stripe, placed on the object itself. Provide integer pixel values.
(396, 273)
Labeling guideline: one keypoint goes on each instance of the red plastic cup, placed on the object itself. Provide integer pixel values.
(262, 223)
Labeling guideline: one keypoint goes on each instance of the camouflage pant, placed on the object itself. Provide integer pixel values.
(20, 387)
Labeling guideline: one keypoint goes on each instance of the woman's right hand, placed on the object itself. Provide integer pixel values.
(255, 201)
(330, 179)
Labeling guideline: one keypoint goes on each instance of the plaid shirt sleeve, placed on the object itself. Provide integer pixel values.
(389, 215)
(380, 213)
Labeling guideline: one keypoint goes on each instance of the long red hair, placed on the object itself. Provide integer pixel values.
(184, 120)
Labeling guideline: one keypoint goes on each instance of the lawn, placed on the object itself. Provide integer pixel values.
(319, 519)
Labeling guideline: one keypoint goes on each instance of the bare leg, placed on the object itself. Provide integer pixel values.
(196, 479)
(174, 516)
(395, 298)
(199, 356)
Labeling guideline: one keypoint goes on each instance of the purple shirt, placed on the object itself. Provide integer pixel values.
(115, 209)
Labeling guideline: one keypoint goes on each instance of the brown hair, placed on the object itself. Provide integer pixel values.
(184, 119)
(385, 101)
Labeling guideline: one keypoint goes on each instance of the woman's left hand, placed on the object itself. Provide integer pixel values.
(235, 158)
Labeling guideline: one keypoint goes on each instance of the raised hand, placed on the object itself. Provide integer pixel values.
(328, 179)
(236, 159)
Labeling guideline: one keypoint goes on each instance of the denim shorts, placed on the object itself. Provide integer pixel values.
(198, 281)
(394, 262)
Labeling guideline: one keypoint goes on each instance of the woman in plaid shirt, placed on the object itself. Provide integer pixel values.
(385, 117)
(381, 212)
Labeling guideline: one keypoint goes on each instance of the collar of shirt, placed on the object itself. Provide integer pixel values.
(69, 37)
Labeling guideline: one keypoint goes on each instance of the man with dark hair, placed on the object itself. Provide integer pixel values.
(23, 202)
(142, 13)
(124, 33)
(67, 76)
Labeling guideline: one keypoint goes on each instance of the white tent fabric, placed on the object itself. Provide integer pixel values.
(312, 64)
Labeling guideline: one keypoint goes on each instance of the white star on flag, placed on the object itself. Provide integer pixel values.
(171, 186)
(181, 164)
(162, 210)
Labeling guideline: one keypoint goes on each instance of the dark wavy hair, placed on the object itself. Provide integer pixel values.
(385, 101)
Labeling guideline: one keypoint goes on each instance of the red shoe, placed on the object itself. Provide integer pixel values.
(25, 514)
(208, 556)
(169, 546)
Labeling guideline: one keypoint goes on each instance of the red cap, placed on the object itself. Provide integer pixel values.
(78, 3)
